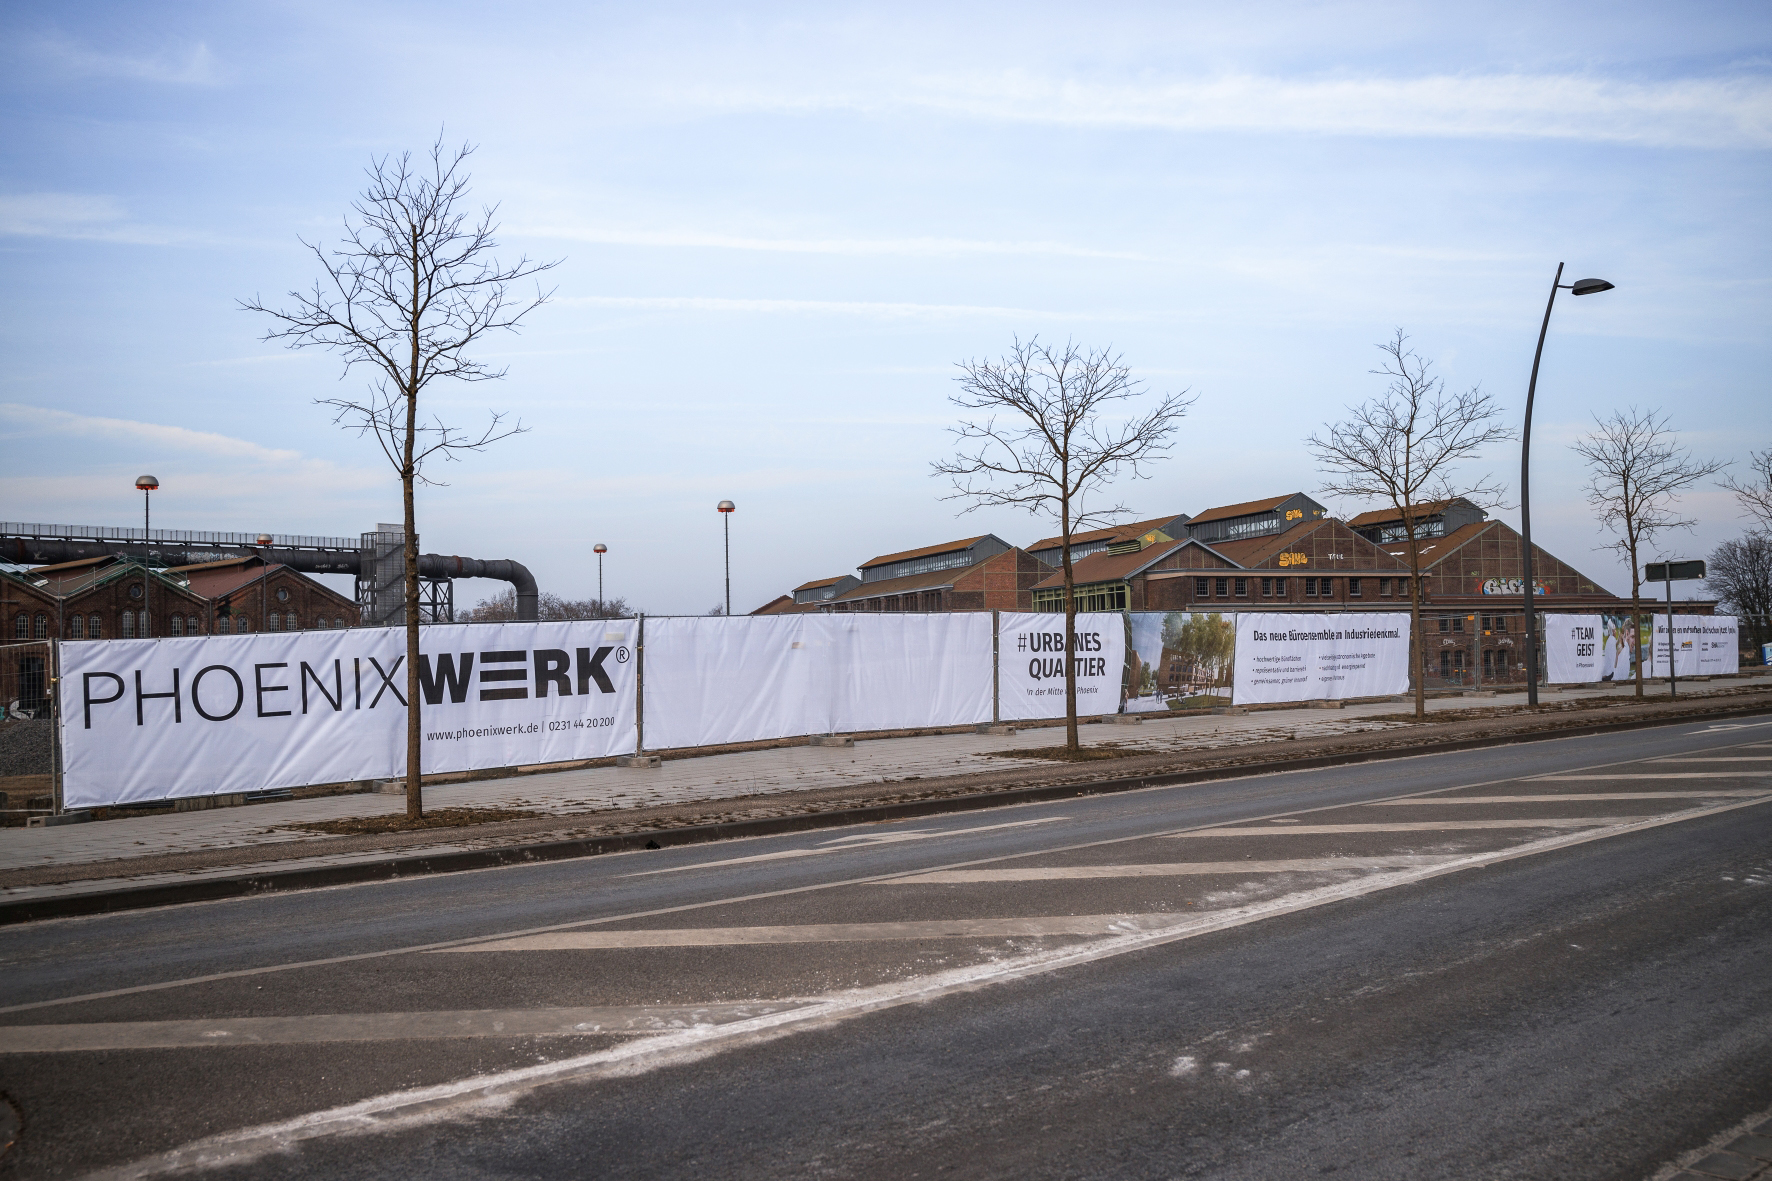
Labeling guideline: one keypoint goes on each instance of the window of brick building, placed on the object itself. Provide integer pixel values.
(95, 628)
(77, 628)
(178, 625)
(1353, 588)
(1384, 586)
(41, 630)
(1267, 588)
(21, 627)
(129, 625)
(1202, 588)
(1221, 587)
(1445, 624)
(276, 623)
(1458, 623)
(242, 623)
(1242, 587)
(1310, 588)
(338, 621)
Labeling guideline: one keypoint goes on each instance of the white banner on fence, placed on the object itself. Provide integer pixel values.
(1573, 649)
(1703, 646)
(155, 719)
(1030, 660)
(1282, 658)
(720, 680)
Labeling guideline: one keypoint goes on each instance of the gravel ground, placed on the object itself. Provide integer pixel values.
(25, 747)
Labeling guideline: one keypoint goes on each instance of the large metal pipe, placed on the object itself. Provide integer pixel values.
(44, 551)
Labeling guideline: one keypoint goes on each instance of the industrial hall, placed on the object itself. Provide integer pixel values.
(1284, 553)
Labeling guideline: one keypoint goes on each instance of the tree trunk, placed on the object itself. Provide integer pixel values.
(1636, 619)
(1070, 629)
(415, 803)
(1419, 655)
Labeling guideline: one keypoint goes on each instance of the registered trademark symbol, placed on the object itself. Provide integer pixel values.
(621, 656)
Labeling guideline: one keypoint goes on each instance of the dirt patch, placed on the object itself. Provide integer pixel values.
(436, 818)
(1063, 754)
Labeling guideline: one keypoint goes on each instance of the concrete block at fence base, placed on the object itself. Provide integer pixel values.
(391, 787)
(204, 803)
(835, 740)
(57, 821)
(643, 762)
(1324, 705)
(1126, 720)
(1229, 709)
(995, 728)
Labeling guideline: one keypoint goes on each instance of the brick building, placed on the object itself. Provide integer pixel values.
(971, 574)
(106, 599)
(246, 594)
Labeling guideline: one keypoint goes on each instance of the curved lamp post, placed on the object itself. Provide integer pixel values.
(147, 484)
(726, 508)
(1579, 287)
(264, 577)
(599, 549)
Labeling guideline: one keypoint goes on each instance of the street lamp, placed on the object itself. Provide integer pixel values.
(599, 549)
(1579, 287)
(726, 509)
(264, 576)
(147, 484)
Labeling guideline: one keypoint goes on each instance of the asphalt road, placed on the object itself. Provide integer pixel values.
(1546, 960)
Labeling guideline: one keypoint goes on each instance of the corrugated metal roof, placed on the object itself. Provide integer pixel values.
(1104, 567)
(947, 547)
(933, 580)
(818, 582)
(1242, 510)
(1379, 516)
(1128, 531)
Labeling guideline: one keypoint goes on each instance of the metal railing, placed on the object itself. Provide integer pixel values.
(179, 536)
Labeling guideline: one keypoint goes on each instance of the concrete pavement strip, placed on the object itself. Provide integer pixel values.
(104, 886)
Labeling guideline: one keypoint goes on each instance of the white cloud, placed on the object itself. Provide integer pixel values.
(188, 66)
(80, 216)
(175, 438)
(877, 310)
(910, 247)
(1693, 113)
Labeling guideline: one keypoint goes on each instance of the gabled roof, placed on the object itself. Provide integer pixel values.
(1434, 550)
(1105, 567)
(1379, 516)
(818, 582)
(1242, 510)
(74, 565)
(783, 605)
(221, 564)
(1127, 531)
(930, 580)
(927, 551)
(1252, 551)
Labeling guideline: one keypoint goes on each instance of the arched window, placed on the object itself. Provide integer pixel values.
(21, 627)
(293, 625)
(178, 625)
(77, 627)
(193, 625)
(276, 621)
(242, 623)
(41, 631)
(128, 625)
(338, 621)
(95, 628)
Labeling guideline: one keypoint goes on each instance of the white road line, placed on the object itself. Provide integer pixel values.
(1575, 797)
(845, 844)
(487, 1093)
(1083, 924)
(1407, 826)
(1744, 773)
(1714, 759)
(1066, 873)
(375, 1027)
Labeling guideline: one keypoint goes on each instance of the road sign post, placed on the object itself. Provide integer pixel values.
(1669, 573)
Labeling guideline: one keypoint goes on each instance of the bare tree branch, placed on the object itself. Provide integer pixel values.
(409, 289)
(1406, 447)
(1636, 469)
(1755, 494)
(1054, 430)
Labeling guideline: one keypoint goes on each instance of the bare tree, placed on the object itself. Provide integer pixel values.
(549, 608)
(1405, 447)
(1636, 469)
(1740, 575)
(409, 289)
(1755, 494)
(1054, 433)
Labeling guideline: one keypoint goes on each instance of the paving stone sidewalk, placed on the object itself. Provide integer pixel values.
(185, 845)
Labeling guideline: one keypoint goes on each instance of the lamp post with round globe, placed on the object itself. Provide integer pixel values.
(599, 549)
(726, 509)
(147, 484)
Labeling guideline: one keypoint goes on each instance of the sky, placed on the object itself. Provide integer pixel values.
(780, 227)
